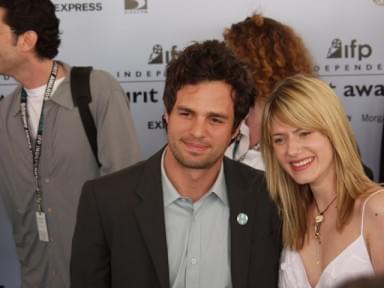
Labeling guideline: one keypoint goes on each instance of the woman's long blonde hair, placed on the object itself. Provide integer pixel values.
(309, 103)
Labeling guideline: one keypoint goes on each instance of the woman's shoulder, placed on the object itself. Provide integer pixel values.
(373, 201)
(369, 207)
(374, 227)
(372, 210)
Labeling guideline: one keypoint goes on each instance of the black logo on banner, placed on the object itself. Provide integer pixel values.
(352, 50)
(156, 56)
(349, 58)
(159, 56)
(139, 5)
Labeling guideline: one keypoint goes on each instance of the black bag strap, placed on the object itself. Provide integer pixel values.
(81, 95)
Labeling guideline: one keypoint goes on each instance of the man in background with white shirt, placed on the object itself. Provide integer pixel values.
(45, 154)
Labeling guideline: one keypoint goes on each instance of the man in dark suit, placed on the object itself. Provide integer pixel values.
(187, 216)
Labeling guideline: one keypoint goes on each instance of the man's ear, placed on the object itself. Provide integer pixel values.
(28, 40)
(165, 117)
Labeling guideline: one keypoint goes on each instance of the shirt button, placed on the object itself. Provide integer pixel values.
(193, 261)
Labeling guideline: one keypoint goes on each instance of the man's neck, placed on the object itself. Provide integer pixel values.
(35, 73)
(191, 183)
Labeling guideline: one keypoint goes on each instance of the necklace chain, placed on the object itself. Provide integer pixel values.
(320, 218)
(326, 208)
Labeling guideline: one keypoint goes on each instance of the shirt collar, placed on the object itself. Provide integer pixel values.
(244, 129)
(60, 96)
(170, 194)
(241, 144)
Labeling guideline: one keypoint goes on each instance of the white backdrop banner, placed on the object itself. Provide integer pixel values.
(135, 39)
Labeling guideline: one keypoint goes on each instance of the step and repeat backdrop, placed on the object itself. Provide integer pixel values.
(135, 39)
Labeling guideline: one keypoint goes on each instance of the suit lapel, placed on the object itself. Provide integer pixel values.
(238, 189)
(150, 216)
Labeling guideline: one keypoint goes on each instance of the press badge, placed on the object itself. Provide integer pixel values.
(42, 227)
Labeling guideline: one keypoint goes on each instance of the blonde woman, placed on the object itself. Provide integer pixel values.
(333, 215)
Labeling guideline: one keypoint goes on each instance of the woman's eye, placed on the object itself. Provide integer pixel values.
(277, 140)
(305, 133)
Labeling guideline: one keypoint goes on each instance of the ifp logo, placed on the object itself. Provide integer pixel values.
(351, 50)
(159, 56)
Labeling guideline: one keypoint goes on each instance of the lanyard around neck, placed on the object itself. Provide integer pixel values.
(36, 151)
(236, 146)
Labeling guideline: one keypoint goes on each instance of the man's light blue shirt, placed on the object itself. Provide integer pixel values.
(198, 236)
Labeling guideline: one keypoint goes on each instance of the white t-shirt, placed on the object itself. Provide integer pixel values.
(249, 156)
(35, 103)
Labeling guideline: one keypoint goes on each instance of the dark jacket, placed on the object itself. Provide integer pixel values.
(120, 238)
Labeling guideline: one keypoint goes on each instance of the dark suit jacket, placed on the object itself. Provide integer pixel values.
(120, 238)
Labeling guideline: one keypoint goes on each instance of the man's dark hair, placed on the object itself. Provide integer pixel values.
(210, 61)
(38, 16)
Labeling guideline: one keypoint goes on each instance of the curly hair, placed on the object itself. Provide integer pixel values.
(272, 51)
(38, 16)
(210, 61)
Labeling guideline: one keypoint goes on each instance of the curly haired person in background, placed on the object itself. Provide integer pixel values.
(272, 52)
(333, 214)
